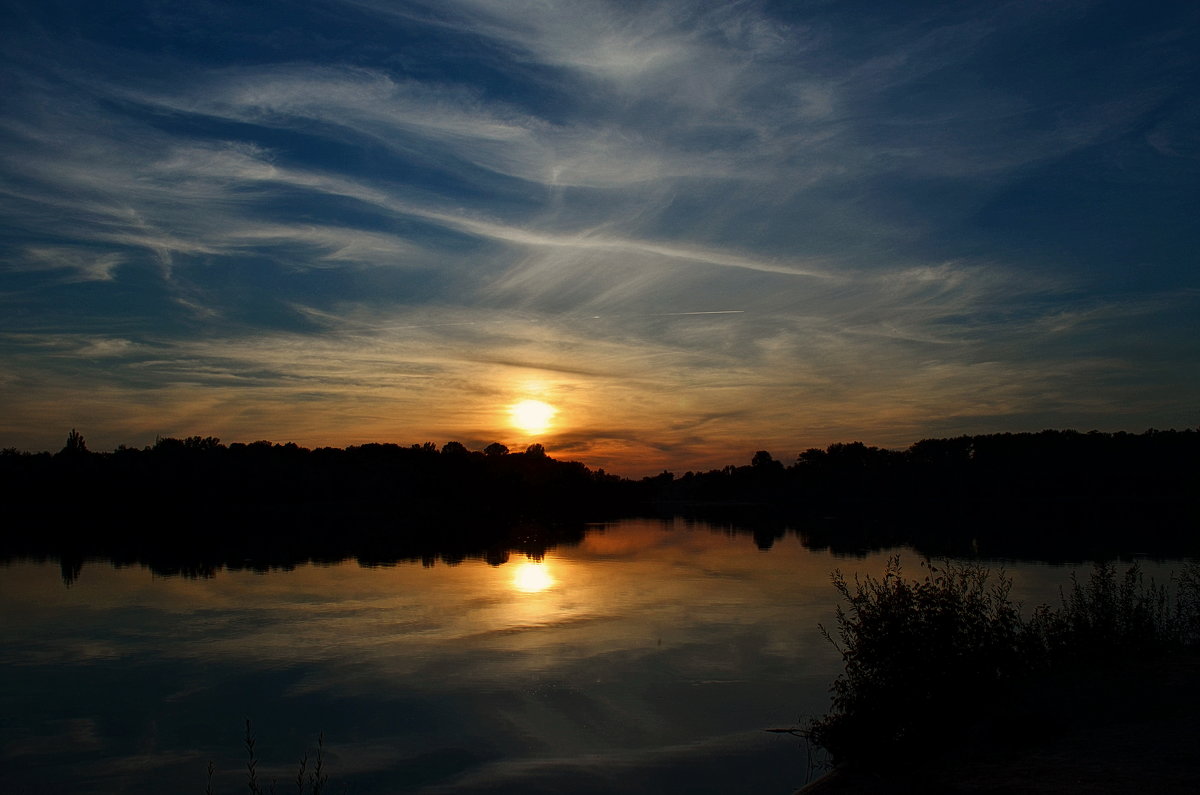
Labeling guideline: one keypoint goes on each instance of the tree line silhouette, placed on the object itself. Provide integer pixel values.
(1023, 469)
(200, 474)
(1058, 495)
(193, 505)
(195, 502)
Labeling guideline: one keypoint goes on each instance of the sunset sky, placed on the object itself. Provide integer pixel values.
(692, 229)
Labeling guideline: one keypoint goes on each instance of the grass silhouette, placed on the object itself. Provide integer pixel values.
(308, 781)
(929, 661)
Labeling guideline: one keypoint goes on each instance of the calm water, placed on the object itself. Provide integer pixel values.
(647, 659)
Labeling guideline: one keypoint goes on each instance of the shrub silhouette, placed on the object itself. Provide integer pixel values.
(907, 645)
(925, 658)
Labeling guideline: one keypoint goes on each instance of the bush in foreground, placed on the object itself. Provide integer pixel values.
(926, 659)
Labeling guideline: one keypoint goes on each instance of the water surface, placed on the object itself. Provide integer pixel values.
(648, 658)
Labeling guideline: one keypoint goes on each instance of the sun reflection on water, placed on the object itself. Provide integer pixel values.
(532, 577)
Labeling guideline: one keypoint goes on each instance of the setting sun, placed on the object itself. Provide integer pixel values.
(532, 416)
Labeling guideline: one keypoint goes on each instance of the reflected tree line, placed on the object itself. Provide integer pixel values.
(190, 505)
(1057, 495)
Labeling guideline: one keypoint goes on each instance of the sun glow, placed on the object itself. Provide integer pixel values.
(532, 416)
(532, 577)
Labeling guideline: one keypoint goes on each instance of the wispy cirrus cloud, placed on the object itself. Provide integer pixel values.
(402, 217)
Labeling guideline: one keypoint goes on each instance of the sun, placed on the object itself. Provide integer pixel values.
(532, 416)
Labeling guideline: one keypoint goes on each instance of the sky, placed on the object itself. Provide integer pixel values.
(694, 229)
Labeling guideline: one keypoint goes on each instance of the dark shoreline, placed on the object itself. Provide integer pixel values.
(191, 504)
(1115, 728)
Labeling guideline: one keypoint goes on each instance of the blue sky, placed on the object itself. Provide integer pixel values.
(696, 229)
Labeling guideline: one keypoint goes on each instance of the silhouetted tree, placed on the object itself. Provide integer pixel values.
(763, 460)
(75, 445)
(495, 449)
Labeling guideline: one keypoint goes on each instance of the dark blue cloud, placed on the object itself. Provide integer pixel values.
(924, 213)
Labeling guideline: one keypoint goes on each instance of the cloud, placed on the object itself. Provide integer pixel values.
(428, 208)
(82, 264)
(634, 391)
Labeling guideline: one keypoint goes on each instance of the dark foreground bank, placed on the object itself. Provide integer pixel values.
(949, 686)
(1128, 728)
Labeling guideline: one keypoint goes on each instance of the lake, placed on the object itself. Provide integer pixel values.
(648, 658)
